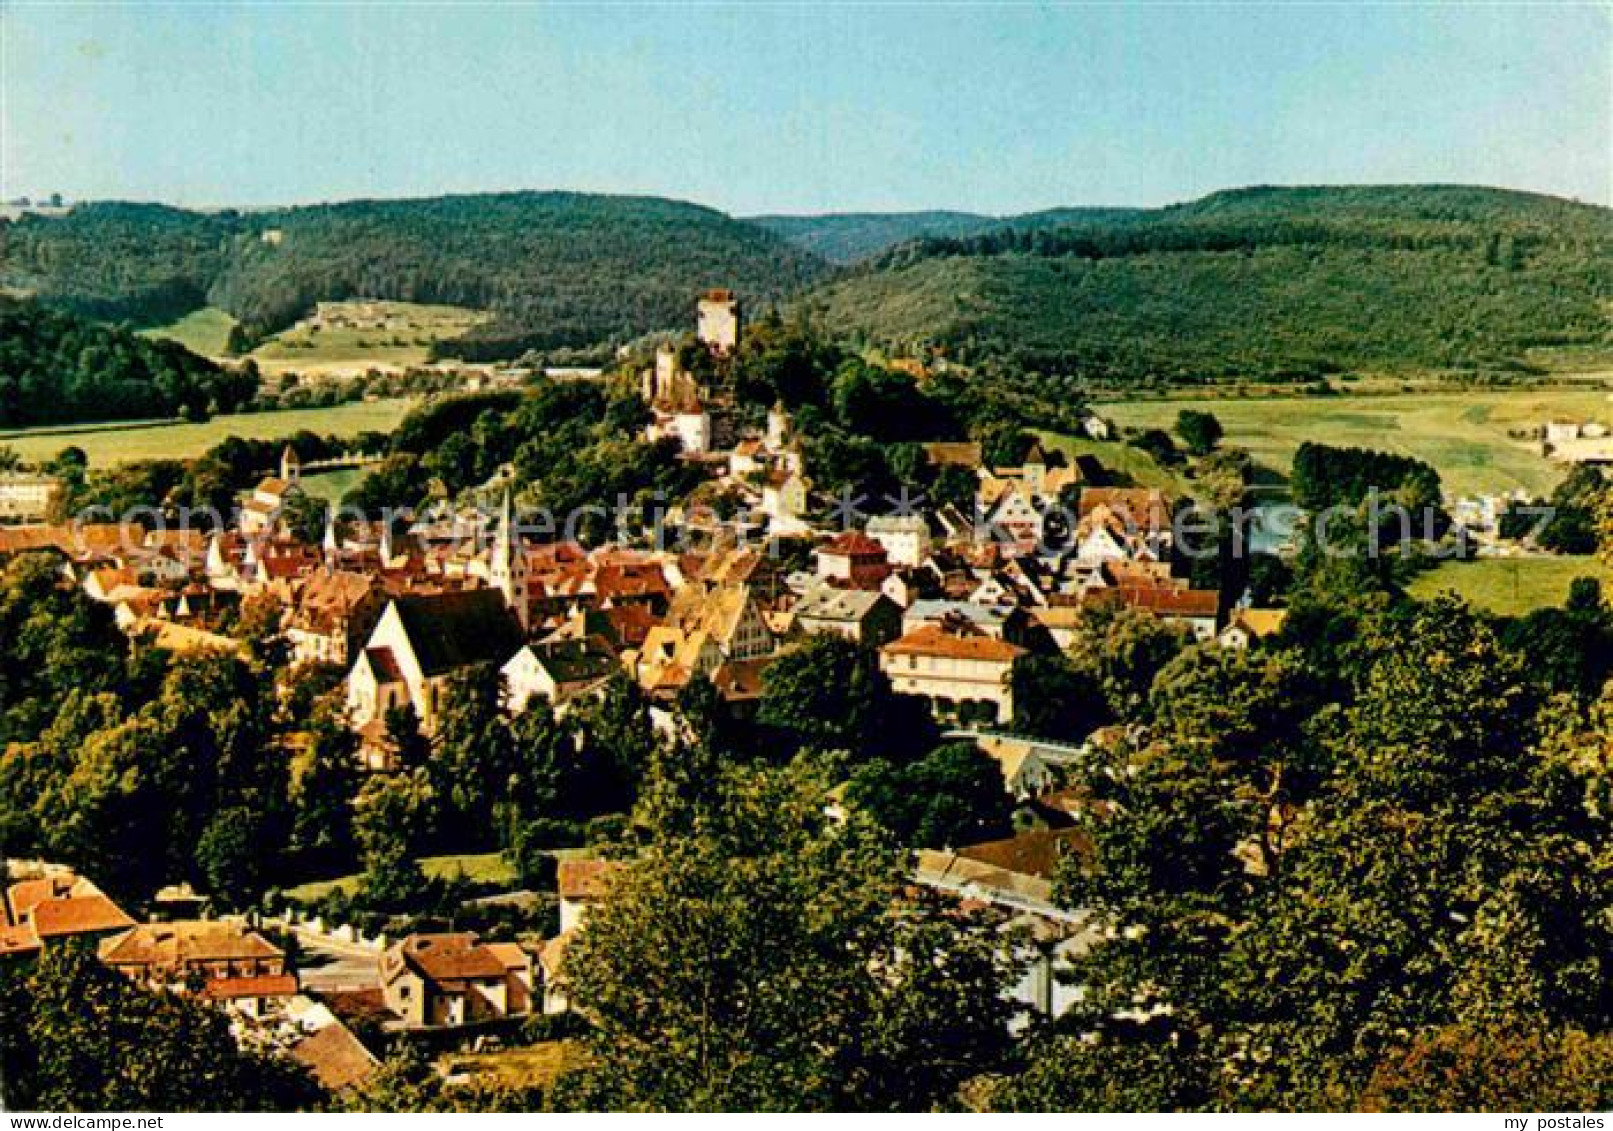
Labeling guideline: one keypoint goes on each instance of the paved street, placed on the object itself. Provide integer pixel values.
(328, 965)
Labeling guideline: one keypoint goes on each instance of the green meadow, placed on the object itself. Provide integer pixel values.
(205, 331)
(177, 440)
(1465, 435)
(1510, 586)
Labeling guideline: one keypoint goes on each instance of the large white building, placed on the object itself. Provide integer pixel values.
(959, 672)
(28, 498)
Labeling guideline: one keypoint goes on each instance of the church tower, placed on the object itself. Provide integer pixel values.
(508, 568)
(290, 466)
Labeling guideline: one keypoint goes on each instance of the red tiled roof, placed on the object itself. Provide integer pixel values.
(25, 895)
(853, 543)
(1143, 507)
(450, 957)
(186, 941)
(77, 915)
(261, 985)
(1033, 853)
(1163, 601)
(933, 640)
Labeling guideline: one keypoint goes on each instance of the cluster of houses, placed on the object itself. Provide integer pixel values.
(223, 962)
(421, 983)
(952, 600)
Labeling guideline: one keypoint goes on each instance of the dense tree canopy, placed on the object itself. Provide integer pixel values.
(761, 959)
(59, 368)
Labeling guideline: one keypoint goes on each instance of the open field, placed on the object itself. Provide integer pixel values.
(121, 444)
(482, 868)
(338, 339)
(332, 485)
(352, 337)
(1118, 457)
(1511, 586)
(1463, 434)
(530, 1066)
(205, 331)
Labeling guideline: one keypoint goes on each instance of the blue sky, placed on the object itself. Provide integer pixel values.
(996, 108)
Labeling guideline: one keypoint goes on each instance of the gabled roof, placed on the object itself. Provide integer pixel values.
(1163, 600)
(454, 630)
(77, 915)
(1260, 623)
(384, 664)
(944, 453)
(976, 613)
(243, 986)
(18, 940)
(24, 895)
(1144, 508)
(741, 681)
(445, 958)
(716, 612)
(574, 661)
(1034, 853)
(186, 941)
(932, 640)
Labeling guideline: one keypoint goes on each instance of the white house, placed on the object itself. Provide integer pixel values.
(906, 538)
(960, 672)
(557, 671)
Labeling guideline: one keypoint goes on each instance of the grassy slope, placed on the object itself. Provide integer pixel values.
(205, 331)
(315, 347)
(1464, 434)
(526, 1066)
(1123, 458)
(186, 441)
(305, 348)
(332, 485)
(482, 868)
(1511, 586)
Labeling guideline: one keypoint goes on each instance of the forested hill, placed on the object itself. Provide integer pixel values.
(59, 368)
(1257, 283)
(847, 237)
(558, 269)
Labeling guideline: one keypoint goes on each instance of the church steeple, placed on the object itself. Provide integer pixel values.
(290, 465)
(507, 569)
